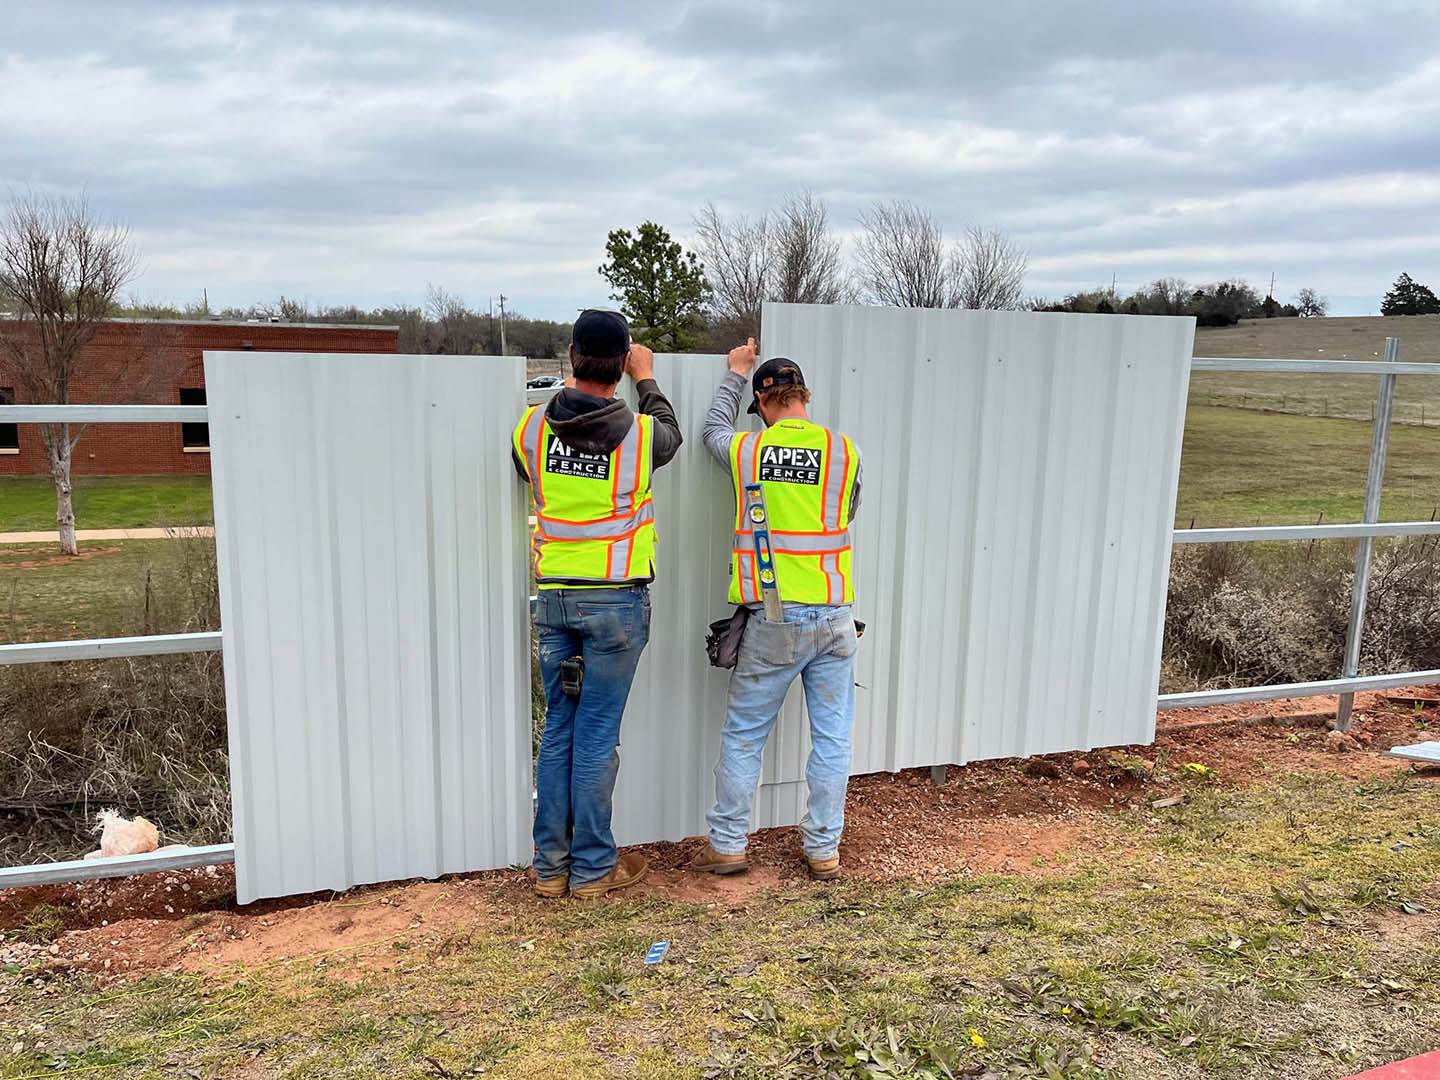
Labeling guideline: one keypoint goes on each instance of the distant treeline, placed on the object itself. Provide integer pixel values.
(443, 324)
(1223, 303)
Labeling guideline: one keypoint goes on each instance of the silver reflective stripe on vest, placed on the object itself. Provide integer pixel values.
(745, 465)
(595, 530)
(627, 460)
(834, 583)
(618, 556)
(835, 479)
(744, 567)
(808, 543)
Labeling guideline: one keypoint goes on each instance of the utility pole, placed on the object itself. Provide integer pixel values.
(1112, 288)
(1271, 294)
(503, 350)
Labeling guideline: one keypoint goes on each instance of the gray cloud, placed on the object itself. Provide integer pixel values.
(354, 153)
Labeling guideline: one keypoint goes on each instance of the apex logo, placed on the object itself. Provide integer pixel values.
(790, 464)
(562, 460)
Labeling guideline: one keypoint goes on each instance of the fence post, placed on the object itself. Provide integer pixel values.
(1374, 480)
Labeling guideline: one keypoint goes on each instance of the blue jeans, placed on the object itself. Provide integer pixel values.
(579, 752)
(816, 642)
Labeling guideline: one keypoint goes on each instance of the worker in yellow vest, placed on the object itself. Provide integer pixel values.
(589, 461)
(811, 479)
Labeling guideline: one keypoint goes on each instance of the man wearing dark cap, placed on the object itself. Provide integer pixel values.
(810, 477)
(589, 461)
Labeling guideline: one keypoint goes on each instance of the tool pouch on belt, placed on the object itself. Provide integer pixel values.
(722, 643)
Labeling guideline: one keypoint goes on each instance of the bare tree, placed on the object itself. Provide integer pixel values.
(901, 259)
(61, 270)
(987, 271)
(789, 255)
(1311, 304)
(806, 258)
(456, 327)
(736, 253)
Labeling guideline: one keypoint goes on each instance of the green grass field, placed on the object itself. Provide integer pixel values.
(1241, 467)
(105, 592)
(27, 503)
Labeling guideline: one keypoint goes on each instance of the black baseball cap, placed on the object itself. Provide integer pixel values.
(777, 371)
(601, 334)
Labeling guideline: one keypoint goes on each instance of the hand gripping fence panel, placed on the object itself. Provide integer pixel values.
(1011, 551)
(368, 530)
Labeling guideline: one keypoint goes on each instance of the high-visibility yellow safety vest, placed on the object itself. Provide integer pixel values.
(808, 473)
(594, 517)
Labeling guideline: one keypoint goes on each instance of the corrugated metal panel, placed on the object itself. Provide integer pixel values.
(373, 618)
(1011, 552)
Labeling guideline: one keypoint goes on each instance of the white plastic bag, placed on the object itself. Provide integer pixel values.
(121, 836)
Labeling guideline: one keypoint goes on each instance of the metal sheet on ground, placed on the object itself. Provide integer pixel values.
(1427, 752)
(374, 621)
(1011, 551)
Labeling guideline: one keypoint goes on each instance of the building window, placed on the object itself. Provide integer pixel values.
(194, 437)
(9, 433)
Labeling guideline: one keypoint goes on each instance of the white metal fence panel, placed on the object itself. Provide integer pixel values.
(373, 614)
(1011, 550)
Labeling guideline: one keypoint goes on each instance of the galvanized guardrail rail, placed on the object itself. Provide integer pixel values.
(1346, 685)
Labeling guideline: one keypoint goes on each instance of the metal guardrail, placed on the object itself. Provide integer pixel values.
(1265, 533)
(1230, 695)
(16, 877)
(40, 652)
(103, 414)
(1347, 685)
(1316, 367)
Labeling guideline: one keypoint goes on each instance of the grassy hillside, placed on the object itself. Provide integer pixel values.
(1417, 397)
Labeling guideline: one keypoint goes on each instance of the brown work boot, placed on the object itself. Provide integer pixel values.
(552, 888)
(629, 868)
(709, 861)
(824, 869)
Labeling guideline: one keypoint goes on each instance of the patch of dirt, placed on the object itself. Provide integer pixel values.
(1036, 816)
(725, 890)
(84, 555)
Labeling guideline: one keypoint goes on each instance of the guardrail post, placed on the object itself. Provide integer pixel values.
(1374, 480)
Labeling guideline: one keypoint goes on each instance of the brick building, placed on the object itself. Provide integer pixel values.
(160, 362)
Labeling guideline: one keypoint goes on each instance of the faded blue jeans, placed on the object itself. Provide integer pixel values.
(579, 752)
(817, 643)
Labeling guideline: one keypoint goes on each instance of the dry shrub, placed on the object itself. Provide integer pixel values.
(145, 735)
(1242, 614)
(1402, 624)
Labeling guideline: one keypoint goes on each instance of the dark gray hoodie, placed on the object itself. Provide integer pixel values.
(595, 425)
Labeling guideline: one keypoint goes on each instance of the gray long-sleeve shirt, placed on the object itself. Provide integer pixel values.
(720, 428)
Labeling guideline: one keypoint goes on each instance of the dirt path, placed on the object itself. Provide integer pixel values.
(48, 537)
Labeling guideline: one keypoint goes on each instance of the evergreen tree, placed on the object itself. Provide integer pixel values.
(1409, 297)
(660, 286)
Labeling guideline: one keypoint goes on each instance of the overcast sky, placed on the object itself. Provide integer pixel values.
(357, 153)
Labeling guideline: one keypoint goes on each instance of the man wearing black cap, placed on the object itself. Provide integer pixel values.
(810, 477)
(589, 461)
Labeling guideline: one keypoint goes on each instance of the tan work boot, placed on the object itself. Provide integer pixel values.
(629, 868)
(824, 869)
(709, 861)
(552, 888)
